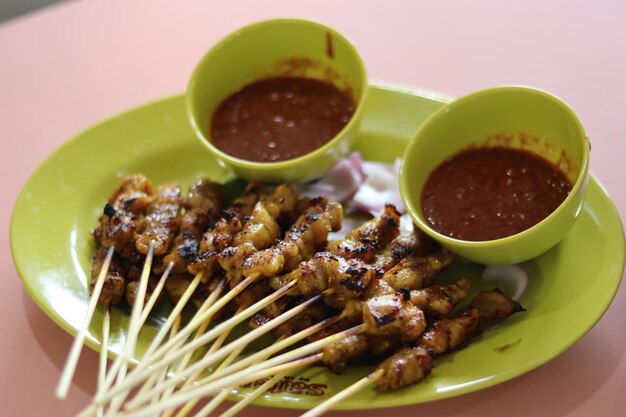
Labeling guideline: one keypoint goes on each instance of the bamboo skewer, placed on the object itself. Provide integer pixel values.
(216, 345)
(241, 342)
(163, 373)
(134, 326)
(178, 399)
(135, 315)
(342, 395)
(269, 367)
(250, 360)
(174, 316)
(72, 359)
(136, 377)
(104, 348)
(241, 404)
(219, 398)
(141, 372)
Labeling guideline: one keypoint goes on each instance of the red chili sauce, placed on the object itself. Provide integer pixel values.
(491, 193)
(280, 118)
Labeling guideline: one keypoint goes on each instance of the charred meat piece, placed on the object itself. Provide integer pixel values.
(132, 289)
(309, 317)
(415, 273)
(122, 214)
(443, 335)
(301, 241)
(405, 367)
(439, 300)
(369, 239)
(221, 235)
(415, 244)
(390, 315)
(202, 208)
(494, 305)
(337, 279)
(161, 222)
(261, 230)
(114, 282)
(336, 355)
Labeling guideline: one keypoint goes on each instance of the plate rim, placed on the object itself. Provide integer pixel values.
(380, 402)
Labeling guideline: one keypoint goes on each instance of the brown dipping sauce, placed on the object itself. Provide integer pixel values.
(491, 193)
(280, 118)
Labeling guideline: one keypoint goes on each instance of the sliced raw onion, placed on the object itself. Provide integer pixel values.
(511, 278)
(341, 182)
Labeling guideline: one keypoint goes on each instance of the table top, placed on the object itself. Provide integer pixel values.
(68, 66)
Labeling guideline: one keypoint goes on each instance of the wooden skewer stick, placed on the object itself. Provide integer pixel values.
(243, 341)
(268, 367)
(163, 373)
(155, 294)
(72, 359)
(216, 345)
(219, 398)
(276, 347)
(249, 360)
(172, 318)
(136, 377)
(134, 318)
(342, 395)
(241, 404)
(134, 327)
(178, 399)
(205, 305)
(141, 372)
(104, 348)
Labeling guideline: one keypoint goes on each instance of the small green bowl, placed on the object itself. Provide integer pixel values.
(517, 117)
(278, 47)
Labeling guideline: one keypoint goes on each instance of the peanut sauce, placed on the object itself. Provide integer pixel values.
(280, 118)
(490, 193)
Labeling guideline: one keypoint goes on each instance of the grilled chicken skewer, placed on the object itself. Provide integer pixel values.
(118, 225)
(410, 365)
(303, 238)
(134, 218)
(353, 270)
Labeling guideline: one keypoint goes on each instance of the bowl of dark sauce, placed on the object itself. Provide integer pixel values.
(497, 176)
(278, 100)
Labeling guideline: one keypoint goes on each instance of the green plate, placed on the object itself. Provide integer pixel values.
(566, 295)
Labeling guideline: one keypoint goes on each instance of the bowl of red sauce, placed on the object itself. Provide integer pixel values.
(497, 176)
(278, 100)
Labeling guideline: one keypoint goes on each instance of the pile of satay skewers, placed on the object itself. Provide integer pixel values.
(264, 258)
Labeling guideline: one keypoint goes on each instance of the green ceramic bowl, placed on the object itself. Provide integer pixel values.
(278, 47)
(517, 117)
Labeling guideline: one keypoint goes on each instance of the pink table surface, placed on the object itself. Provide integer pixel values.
(68, 66)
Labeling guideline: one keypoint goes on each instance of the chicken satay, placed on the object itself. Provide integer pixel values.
(367, 240)
(337, 279)
(439, 300)
(405, 367)
(415, 273)
(132, 289)
(161, 221)
(115, 280)
(120, 220)
(221, 235)
(301, 241)
(335, 356)
(261, 230)
(435, 300)
(416, 243)
(390, 315)
(494, 305)
(443, 335)
(311, 316)
(202, 208)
